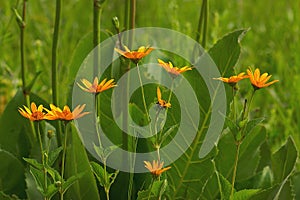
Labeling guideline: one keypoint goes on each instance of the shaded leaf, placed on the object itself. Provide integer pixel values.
(76, 163)
(244, 194)
(284, 160)
(53, 155)
(11, 175)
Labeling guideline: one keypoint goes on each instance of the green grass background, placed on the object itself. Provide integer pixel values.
(272, 44)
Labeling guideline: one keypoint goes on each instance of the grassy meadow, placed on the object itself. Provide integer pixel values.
(271, 43)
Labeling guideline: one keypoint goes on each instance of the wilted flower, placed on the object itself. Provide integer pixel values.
(135, 56)
(156, 168)
(173, 71)
(259, 81)
(96, 88)
(162, 103)
(35, 114)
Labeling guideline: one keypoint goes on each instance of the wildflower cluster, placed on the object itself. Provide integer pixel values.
(55, 113)
(257, 79)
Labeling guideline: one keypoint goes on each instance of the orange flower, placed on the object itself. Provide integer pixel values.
(135, 56)
(35, 114)
(173, 71)
(259, 81)
(162, 103)
(65, 114)
(232, 80)
(96, 88)
(156, 167)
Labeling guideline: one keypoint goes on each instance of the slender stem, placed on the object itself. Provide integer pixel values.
(22, 27)
(97, 115)
(150, 188)
(142, 90)
(96, 33)
(132, 13)
(233, 104)
(127, 14)
(54, 51)
(43, 157)
(54, 75)
(235, 168)
(63, 161)
(205, 22)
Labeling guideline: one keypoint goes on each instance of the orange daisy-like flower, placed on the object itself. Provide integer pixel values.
(162, 103)
(259, 81)
(65, 114)
(232, 80)
(35, 114)
(135, 56)
(156, 168)
(96, 87)
(173, 71)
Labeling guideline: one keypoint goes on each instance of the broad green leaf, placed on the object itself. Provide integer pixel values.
(155, 192)
(248, 159)
(244, 194)
(53, 155)
(31, 188)
(296, 184)
(277, 192)
(18, 142)
(263, 180)
(12, 179)
(225, 188)
(189, 173)
(70, 181)
(83, 48)
(76, 163)
(138, 116)
(52, 189)
(249, 154)
(225, 53)
(34, 163)
(99, 172)
(38, 176)
(284, 160)
(252, 124)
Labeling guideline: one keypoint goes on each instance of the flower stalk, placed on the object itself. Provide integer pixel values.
(54, 75)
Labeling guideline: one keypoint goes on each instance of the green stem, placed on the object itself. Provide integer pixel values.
(43, 157)
(238, 144)
(22, 28)
(97, 123)
(205, 22)
(63, 161)
(54, 65)
(96, 33)
(143, 93)
(22, 25)
(150, 188)
(54, 52)
(233, 104)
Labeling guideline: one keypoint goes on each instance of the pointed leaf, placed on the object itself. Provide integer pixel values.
(76, 163)
(11, 175)
(34, 163)
(53, 155)
(284, 160)
(252, 124)
(244, 194)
